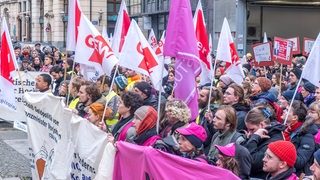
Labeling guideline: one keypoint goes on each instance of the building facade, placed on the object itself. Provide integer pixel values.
(46, 20)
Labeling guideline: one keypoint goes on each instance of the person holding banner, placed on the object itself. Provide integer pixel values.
(191, 140)
(124, 131)
(145, 120)
(95, 113)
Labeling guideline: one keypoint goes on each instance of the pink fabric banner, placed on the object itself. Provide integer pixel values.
(138, 162)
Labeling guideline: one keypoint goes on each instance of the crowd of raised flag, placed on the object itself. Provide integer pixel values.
(259, 122)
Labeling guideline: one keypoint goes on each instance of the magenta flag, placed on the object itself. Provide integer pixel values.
(181, 43)
(138, 162)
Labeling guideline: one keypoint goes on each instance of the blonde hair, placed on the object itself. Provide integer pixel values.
(179, 110)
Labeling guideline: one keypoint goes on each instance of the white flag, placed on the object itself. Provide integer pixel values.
(152, 40)
(311, 70)
(138, 55)
(92, 49)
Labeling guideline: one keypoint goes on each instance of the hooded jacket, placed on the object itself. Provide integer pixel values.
(242, 111)
(262, 97)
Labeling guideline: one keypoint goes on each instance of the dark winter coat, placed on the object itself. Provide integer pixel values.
(304, 142)
(242, 111)
(257, 147)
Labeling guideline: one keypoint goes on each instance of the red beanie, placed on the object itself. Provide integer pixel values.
(285, 151)
(264, 83)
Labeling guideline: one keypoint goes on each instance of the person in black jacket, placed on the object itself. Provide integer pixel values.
(234, 96)
(261, 132)
(144, 89)
(300, 131)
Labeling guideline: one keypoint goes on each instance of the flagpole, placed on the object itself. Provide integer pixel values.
(102, 83)
(74, 62)
(65, 69)
(213, 77)
(159, 96)
(110, 89)
(280, 79)
(20, 80)
(294, 95)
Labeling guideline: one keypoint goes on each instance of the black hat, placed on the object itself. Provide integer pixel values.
(143, 87)
(297, 72)
(37, 44)
(288, 94)
(26, 60)
(309, 87)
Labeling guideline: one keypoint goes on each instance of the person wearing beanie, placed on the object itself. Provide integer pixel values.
(144, 89)
(224, 82)
(191, 140)
(235, 158)
(145, 120)
(307, 93)
(300, 130)
(294, 77)
(121, 83)
(279, 161)
(285, 98)
(260, 92)
(315, 168)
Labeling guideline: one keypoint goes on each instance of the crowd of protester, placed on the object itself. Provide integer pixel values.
(247, 129)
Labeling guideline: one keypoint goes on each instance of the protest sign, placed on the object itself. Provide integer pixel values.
(282, 50)
(28, 82)
(307, 46)
(296, 45)
(262, 54)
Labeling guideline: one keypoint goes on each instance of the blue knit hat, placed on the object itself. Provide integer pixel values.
(121, 82)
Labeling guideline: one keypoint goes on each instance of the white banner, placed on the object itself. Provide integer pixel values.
(29, 84)
(46, 128)
(92, 157)
(63, 145)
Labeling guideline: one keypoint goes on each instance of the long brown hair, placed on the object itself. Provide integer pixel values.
(230, 163)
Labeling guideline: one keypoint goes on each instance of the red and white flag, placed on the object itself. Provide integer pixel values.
(203, 44)
(8, 64)
(159, 50)
(92, 49)
(311, 70)
(121, 29)
(73, 24)
(226, 51)
(152, 40)
(138, 55)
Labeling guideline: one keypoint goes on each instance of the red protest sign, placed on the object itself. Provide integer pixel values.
(307, 46)
(262, 53)
(282, 50)
(296, 45)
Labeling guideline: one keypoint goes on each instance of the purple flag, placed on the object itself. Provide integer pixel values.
(143, 162)
(181, 43)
